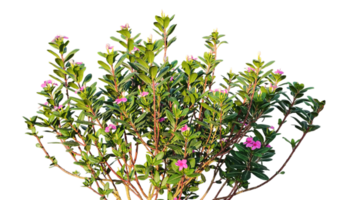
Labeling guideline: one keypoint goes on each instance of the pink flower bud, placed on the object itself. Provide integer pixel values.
(109, 46)
(231, 69)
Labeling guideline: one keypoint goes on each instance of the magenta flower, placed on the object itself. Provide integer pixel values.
(188, 58)
(193, 150)
(125, 25)
(135, 49)
(269, 146)
(58, 107)
(279, 70)
(223, 139)
(161, 119)
(245, 124)
(81, 89)
(175, 198)
(120, 100)
(44, 103)
(273, 86)
(142, 94)
(48, 81)
(108, 128)
(185, 128)
(79, 63)
(249, 68)
(271, 127)
(59, 35)
(250, 143)
(182, 164)
(109, 46)
(171, 78)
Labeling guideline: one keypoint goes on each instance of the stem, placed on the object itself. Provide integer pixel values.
(127, 192)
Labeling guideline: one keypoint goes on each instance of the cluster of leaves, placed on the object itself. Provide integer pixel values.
(96, 103)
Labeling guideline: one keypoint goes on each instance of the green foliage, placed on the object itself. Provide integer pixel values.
(169, 109)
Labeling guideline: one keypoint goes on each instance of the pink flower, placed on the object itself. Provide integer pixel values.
(256, 145)
(249, 68)
(188, 58)
(245, 124)
(269, 146)
(223, 139)
(48, 81)
(250, 143)
(58, 107)
(81, 89)
(271, 127)
(109, 46)
(279, 70)
(171, 78)
(59, 35)
(46, 103)
(76, 62)
(108, 128)
(142, 94)
(161, 119)
(273, 86)
(126, 25)
(135, 49)
(175, 198)
(185, 128)
(193, 150)
(120, 100)
(182, 164)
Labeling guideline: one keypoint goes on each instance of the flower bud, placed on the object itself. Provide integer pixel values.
(162, 11)
(126, 25)
(109, 46)
(215, 29)
(150, 37)
(259, 53)
(231, 69)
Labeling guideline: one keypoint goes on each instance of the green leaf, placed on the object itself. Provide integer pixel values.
(172, 40)
(120, 60)
(164, 181)
(71, 53)
(174, 179)
(300, 113)
(170, 116)
(166, 22)
(260, 175)
(141, 117)
(52, 53)
(71, 143)
(143, 77)
(268, 157)
(157, 177)
(142, 62)
(159, 156)
(240, 148)
(87, 79)
(246, 175)
(282, 173)
(269, 63)
(171, 29)
(42, 94)
(157, 162)
(100, 54)
(114, 39)
(209, 107)
(313, 127)
(159, 20)
(127, 78)
(285, 95)
(153, 72)
(223, 42)
(104, 65)
(242, 156)
(261, 151)
(59, 62)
